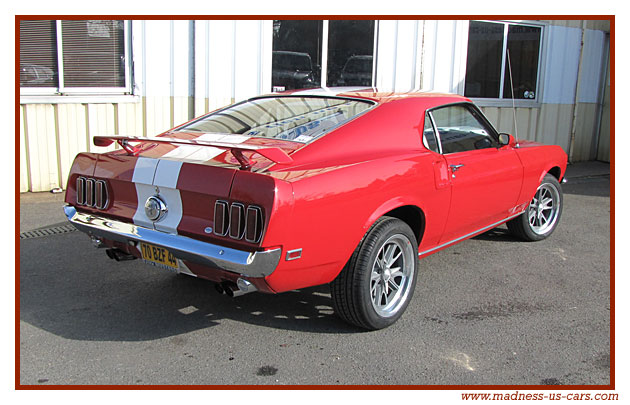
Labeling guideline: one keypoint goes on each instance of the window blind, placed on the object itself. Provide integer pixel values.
(38, 53)
(93, 53)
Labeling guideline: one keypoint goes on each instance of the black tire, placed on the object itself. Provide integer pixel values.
(355, 290)
(539, 220)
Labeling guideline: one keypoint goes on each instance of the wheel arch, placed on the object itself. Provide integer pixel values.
(410, 214)
(555, 172)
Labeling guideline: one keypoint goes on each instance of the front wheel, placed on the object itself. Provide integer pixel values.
(542, 214)
(375, 287)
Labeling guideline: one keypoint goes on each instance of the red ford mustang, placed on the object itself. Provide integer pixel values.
(303, 188)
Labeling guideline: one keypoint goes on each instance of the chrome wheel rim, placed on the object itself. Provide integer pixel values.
(392, 275)
(543, 210)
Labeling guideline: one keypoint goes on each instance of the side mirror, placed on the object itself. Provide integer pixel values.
(506, 139)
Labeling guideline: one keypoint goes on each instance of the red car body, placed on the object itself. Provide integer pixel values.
(316, 201)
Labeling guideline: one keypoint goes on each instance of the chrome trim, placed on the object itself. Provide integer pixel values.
(157, 211)
(470, 234)
(257, 211)
(226, 218)
(102, 197)
(435, 131)
(288, 258)
(564, 180)
(89, 192)
(249, 264)
(241, 218)
(81, 190)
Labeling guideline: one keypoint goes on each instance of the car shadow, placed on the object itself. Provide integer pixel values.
(72, 290)
(499, 234)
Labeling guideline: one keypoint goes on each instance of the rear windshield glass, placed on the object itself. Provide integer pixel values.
(299, 119)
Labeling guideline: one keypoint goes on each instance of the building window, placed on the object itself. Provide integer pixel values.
(78, 56)
(310, 54)
(487, 70)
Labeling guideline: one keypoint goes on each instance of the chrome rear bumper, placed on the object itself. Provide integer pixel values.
(250, 264)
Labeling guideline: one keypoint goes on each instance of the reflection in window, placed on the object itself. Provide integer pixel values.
(483, 64)
(486, 42)
(38, 53)
(524, 45)
(299, 119)
(297, 60)
(350, 50)
(297, 49)
(92, 54)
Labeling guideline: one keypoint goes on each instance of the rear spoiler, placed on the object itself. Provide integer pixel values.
(276, 155)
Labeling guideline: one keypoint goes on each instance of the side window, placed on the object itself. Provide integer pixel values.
(428, 135)
(460, 129)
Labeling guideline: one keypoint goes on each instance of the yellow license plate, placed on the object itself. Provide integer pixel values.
(158, 256)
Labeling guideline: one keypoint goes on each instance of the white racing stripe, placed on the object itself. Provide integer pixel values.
(163, 174)
(143, 174)
(203, 153)
(166, 176)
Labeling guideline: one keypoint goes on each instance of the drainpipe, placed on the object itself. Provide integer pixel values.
(191, 69)
(577, 92)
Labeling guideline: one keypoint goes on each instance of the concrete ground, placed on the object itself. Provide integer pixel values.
(490, 310)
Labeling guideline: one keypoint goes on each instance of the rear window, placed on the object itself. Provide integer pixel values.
(299, 119)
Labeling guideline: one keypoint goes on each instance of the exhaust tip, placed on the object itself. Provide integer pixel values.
(245, 286)
(219, 288)
(110, 253)
(119, 255)
(228, 289)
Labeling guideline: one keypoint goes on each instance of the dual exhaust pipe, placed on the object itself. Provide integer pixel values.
(119, 255)
(229, 288)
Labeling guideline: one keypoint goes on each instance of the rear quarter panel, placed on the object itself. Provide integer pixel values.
(346, 180)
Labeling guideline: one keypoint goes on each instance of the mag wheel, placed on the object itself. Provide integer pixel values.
(376, 285)
(542, 214)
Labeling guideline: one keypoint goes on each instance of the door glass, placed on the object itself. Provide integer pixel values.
(460, 129)
(297, 54)
(350, 53)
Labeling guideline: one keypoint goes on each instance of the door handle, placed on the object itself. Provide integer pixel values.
(455, 168)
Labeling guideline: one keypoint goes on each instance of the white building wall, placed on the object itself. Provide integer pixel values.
(175, 81)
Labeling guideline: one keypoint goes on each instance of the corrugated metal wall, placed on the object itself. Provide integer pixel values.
(174, 82)
(231, 60)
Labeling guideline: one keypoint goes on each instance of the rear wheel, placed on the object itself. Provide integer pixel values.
(375, 287)
(543, 213)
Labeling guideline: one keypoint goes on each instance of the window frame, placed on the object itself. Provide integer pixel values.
(542, 52)
(429, 112)
(63, 91)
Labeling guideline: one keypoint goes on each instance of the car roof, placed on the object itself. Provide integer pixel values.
(376, 95)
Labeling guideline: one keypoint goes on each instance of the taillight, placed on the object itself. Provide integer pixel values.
(221, 218)
(92, 193)
(253, 224)
(238, 222)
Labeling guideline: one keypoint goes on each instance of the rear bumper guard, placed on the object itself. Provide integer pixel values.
(250, 264)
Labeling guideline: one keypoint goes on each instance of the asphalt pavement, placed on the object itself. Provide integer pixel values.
(490, 310)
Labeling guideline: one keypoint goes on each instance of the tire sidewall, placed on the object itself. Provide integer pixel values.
(366, 258)
(553, 182)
